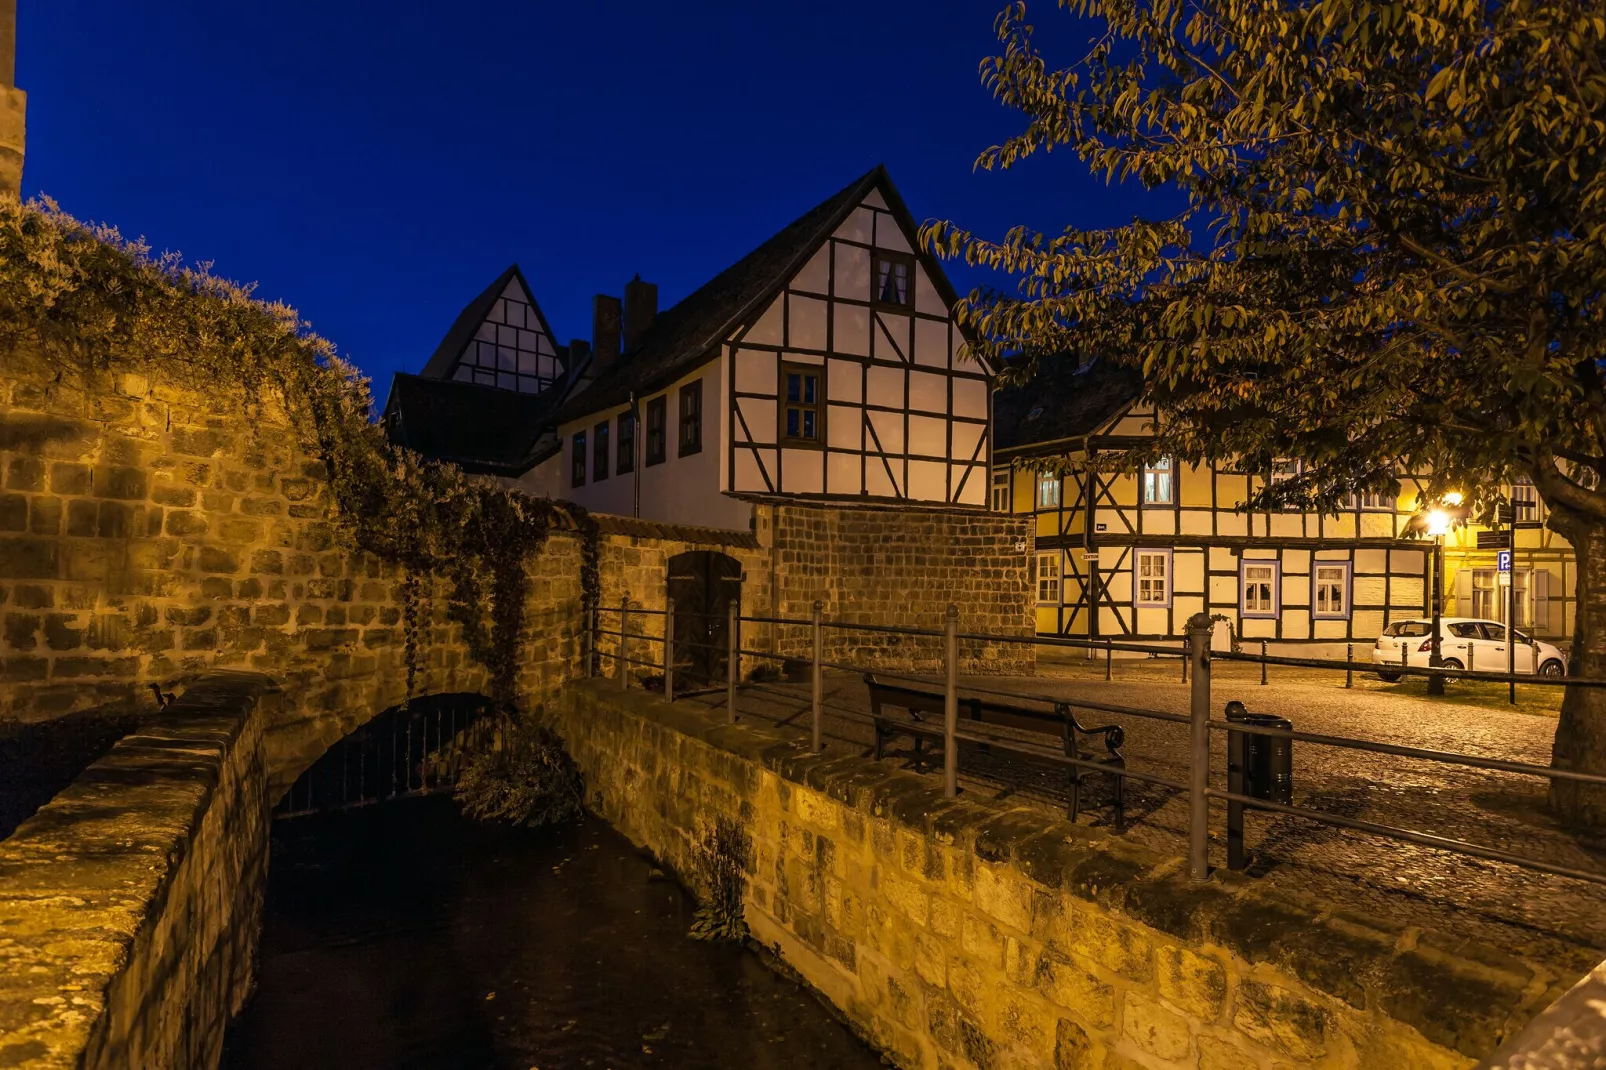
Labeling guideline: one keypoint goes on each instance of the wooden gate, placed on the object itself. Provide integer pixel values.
(703, 584)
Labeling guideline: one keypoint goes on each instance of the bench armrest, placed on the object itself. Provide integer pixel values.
(1114, 735)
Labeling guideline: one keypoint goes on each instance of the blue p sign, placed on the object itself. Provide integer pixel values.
(1503, 560)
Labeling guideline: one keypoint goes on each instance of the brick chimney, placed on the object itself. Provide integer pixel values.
(641, 308)
(13, 104)
(605, 317)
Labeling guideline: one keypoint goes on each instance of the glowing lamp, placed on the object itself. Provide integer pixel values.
(1439, 522)
(1453, 497)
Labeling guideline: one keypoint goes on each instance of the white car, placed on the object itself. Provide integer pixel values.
(1464, 643)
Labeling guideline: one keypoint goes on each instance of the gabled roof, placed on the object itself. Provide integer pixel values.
(439, 365)
(1062, 401)
(480, 428)
(688, 335)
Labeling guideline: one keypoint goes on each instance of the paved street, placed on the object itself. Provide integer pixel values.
(1556, 920)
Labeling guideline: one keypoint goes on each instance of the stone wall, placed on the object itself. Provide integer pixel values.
(130, 905)
(973, 933)
(901, 568)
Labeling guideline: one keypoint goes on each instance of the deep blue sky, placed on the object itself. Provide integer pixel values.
(375, 164)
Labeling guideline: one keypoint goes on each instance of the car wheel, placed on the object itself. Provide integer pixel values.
(1453, 663)
(1552, 668)
(1388, 677)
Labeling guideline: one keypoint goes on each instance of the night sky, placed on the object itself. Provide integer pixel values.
(377, 164)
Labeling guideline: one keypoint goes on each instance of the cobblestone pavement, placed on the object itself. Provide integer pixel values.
(1554, 920)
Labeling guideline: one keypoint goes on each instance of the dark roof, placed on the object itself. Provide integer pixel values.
(439, 365)
(688, 334)
(481, 428)
(1062, 401)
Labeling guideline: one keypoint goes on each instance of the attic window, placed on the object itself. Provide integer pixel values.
(892, 274)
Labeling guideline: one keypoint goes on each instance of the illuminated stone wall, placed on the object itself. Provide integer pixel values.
(978, 934)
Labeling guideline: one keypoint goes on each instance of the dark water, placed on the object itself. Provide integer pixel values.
(404, 935)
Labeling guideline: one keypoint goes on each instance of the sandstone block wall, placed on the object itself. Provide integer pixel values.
(975, 934)
(901, 568)
(130, 905)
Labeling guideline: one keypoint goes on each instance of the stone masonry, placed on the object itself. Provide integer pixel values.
(972, 933)
(130, 905)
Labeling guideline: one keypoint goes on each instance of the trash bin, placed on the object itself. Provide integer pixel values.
(1260, 767)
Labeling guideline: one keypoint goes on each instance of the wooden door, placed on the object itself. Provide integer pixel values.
(703, 584)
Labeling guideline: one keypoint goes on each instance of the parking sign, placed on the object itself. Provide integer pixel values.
(1503, 560)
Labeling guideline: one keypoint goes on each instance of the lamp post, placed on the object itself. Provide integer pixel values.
(1438, 523)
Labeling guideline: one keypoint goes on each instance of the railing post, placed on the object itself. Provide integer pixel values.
(950, 702)
(1349, 664)
(620, 667)
(817, 680)
(669, 650)
(733, 658)
(1199, 749)
(1186, 654)
(1108, 649)
(1263, 663)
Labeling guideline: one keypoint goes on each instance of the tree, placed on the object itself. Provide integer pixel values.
(1391, 253)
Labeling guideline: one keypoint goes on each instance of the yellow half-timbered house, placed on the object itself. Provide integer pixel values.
(1131, 555)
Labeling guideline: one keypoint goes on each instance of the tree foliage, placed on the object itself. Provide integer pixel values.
(95, 303)
(1392, 248)
(1390, 253)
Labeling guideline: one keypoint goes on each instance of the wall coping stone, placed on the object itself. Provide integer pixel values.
(1455, 993)
(84, 880)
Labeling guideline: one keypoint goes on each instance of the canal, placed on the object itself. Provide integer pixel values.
(407, 936)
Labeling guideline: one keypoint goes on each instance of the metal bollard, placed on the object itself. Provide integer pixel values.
(620, 665)
(669, 650)
(733, 661)
(1199, 627)
(1349, 664)
(950, 703)
(1186, 654)
(1108, 648)
(1263, 663)
(817, 679)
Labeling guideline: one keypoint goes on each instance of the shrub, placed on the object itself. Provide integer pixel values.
(721, 870)
(529, 780)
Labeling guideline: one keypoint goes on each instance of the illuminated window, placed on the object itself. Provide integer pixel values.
(1157, 479)
(1153, 577)
(1330, 588)
(800, 404)
(1048, 491)
(1525, 503)
(1048, 577)
(1259, 584)
(892, 275)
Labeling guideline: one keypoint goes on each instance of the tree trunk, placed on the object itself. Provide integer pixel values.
(1581, 733)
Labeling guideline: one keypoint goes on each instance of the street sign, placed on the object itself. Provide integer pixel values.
(1503, 560)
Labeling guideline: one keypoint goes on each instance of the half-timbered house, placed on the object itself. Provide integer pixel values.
(1132, 554)
(826, 364)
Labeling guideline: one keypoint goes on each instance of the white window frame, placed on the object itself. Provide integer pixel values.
(1276, 566)
(1048, 580)
(1526, 508)
(1002, 481)
(1295, 470)
(1044, 481)
(1168, 580)
(1160, 475)
(1347, 587)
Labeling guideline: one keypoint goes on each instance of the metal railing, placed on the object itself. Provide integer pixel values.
(1197, 657)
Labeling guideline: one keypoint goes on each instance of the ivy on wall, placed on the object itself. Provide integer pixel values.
(94, 303)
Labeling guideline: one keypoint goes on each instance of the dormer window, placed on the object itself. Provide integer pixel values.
(893, 273)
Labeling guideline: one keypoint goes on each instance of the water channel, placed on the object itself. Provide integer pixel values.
(406, 936)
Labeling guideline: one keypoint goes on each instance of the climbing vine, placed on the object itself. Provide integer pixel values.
(94, 303)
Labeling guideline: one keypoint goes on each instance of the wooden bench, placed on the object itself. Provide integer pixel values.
(924, 723)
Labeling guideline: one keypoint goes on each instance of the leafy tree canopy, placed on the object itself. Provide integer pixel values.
(1393, 244)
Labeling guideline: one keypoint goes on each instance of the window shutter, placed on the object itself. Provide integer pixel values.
(1540, 582)
(1463, 593)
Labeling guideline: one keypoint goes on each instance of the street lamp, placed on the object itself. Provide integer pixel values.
(1437, 522)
